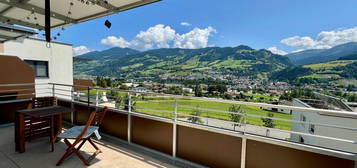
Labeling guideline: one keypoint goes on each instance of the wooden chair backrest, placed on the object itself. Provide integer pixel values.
(38, 102)
(100, 114)
(89, 122)
(95, 118)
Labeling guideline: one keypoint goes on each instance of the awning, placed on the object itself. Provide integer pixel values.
(32, 13)
(9, 32)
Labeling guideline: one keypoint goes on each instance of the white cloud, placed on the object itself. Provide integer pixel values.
(325, 39)
(80, 50)
(196, 38)
(185, 24)
(113, 41)
(158, 36)
(275, 50)
(161, 36)
(298, 50)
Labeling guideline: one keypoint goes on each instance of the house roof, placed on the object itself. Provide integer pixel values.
(31, 13)
(9, 32)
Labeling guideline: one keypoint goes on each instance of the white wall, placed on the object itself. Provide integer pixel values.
(325, 131)
(59, 57)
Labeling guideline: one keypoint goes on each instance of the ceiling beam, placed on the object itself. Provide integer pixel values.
(9, 7)
(8, 20)
(7, 37)
(103, 4)
(36, 9)
(5, 10)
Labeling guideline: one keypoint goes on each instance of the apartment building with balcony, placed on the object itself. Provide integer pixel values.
(51, 64)
(324, 125)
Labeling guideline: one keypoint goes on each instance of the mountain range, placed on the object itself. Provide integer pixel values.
(308, 66)
(174, 62)
(323, 55)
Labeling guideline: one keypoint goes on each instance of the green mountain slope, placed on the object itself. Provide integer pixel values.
(333, 71)
(173, 62)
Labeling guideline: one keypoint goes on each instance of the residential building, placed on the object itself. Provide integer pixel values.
(281, 110)
(52, 64)
(313, 124)
(140, 90)
(188, 90)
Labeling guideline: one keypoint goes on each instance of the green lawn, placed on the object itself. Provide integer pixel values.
(165, 107)
(93, 92)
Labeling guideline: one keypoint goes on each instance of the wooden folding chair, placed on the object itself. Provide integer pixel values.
(81, 134)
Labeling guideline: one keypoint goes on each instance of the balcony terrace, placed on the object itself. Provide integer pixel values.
(158, 136)
(115, 154)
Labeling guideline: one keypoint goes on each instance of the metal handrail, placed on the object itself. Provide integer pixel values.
(14, 90)
(264, 105)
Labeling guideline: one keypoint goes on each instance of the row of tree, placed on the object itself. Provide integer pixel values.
(236, 114)
(298, 93)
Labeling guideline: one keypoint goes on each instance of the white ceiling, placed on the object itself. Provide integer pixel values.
(30, 13)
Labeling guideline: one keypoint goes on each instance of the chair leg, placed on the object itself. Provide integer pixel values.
(71, 149)
(93, 144)
(80, 145)
(80, 156)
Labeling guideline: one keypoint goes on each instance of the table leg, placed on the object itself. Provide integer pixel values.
(20, 135)
(58, 130)
(59, 124)
(16, 132)
(52, 133)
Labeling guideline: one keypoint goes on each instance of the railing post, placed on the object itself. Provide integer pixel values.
(174, 131)
(207, 118)
(88, 99)
(72, 105)
(96, 99)
(53, 90)
(78, 96)
(243, 152)
(129, 118)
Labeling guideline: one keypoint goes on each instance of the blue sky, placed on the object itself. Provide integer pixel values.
(257, 23)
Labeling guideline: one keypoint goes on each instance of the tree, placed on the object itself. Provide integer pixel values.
(126, 103)
(97, 81)
(124, 87)
(195, 116)
(198, 91)
(268, 122)
(236, 115)
(119, 101)
(221, 88)
(108, 82)
(112, 94)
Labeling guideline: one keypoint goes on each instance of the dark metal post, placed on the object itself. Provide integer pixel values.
(48, 20)
(88, 100)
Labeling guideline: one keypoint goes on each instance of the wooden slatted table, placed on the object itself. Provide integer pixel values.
(36, 123)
